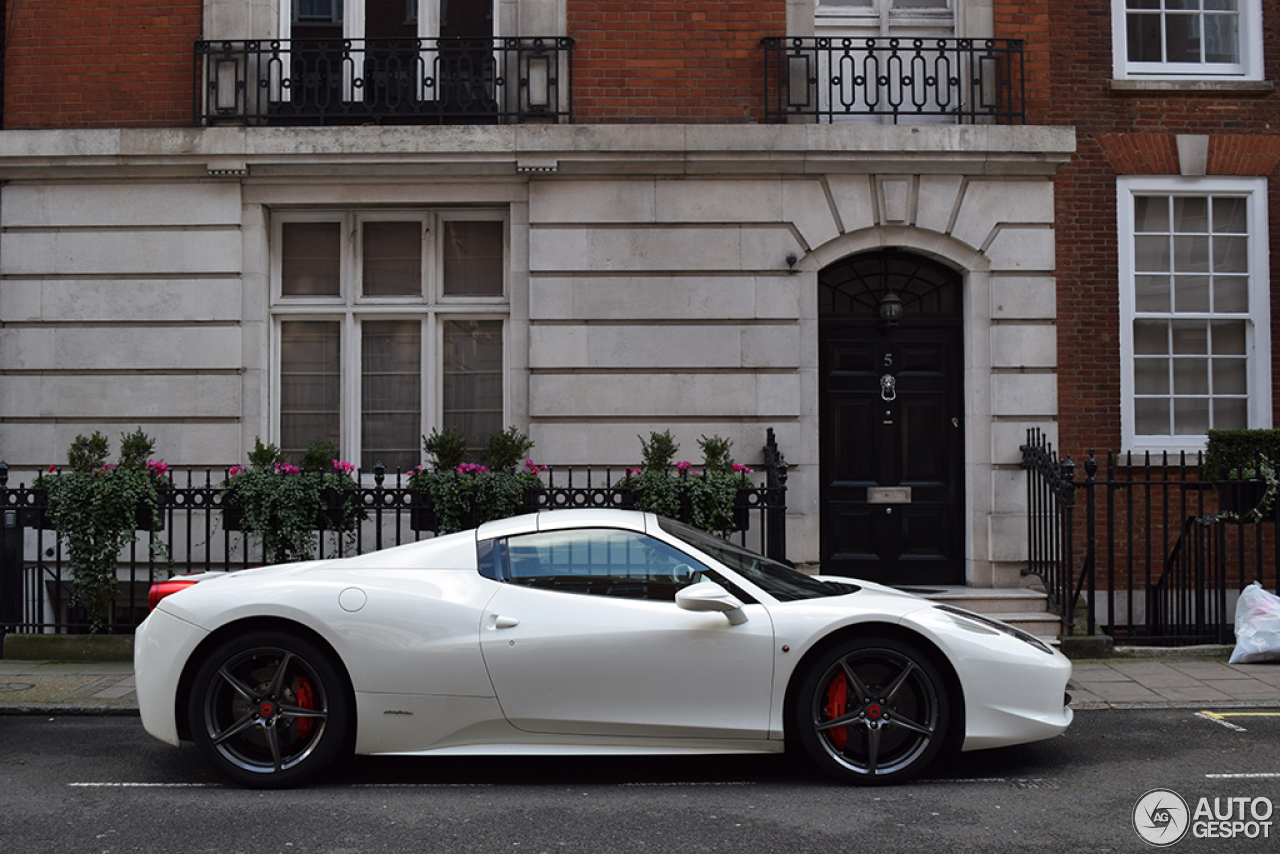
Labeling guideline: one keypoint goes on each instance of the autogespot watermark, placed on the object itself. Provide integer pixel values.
(1162, 818)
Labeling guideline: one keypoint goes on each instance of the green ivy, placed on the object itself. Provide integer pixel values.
(95, 508)
(465, 495)
(281, 504)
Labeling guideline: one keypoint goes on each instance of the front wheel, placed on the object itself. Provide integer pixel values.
(872, 711)
(269, 709)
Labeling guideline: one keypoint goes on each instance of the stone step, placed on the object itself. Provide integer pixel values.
(988, 600)
(1026, 609)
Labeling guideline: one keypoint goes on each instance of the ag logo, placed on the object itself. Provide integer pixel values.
(1161, 817)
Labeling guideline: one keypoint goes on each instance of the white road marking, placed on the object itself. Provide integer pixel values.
(1259, 775)
(1217, 719)
(146, 785)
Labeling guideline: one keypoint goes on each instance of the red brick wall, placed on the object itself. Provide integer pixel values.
(1123, 133)
(663, 61)
(100, 63)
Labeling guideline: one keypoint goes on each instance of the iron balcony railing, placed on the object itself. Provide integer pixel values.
(903, 80)
(383, 81)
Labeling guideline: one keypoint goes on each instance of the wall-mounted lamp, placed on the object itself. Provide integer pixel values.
(890, 310)
(791, 263)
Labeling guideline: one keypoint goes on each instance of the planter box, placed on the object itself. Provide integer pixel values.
(1243, 496)
(146, 519)
(330, 518)
(422, 512)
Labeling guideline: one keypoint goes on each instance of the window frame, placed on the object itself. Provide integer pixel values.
(1249, 39)
(351, 308)
(1257, 318)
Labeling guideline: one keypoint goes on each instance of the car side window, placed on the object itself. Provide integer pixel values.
(601, 562)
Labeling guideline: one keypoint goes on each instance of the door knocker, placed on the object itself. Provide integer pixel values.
(889, 387)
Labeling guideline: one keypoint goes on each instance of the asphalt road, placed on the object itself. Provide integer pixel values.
(100, 784)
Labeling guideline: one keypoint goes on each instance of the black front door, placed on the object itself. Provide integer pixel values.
(892, 405)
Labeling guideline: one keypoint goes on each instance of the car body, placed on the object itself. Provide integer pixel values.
(580, 631)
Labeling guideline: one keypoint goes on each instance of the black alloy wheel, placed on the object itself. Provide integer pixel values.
(269, 709)
(872, 711)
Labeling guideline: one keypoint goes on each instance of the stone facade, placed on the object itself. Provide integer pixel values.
(648, 281)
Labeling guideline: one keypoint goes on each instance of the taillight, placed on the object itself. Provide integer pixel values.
(161, 589)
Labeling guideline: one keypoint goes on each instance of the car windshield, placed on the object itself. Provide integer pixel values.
(780, 581)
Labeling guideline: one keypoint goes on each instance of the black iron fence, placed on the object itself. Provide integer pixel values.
(1141, 548)
(956, 81)
(36, 583)
(385, 81)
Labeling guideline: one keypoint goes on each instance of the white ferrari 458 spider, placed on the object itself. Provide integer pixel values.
(579, 632)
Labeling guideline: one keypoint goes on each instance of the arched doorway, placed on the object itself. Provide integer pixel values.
(891, 418)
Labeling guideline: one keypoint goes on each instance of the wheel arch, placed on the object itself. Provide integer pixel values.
(955, 691)
(249, 624)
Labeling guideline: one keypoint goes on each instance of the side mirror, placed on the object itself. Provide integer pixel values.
(709, 596)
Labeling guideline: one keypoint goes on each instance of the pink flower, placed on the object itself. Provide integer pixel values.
(235, 471)
(343, 467)
(287, 468)
(684, 466)
(471, 468)
(634, 472)
(739, 468)
(159, 468)
(532, 467)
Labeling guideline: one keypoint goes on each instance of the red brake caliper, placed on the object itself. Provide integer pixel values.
(306, 700)
(837, 700)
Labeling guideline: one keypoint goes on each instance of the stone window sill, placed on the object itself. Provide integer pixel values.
(1236, 87)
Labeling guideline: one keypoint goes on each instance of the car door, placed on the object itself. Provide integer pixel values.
(585, 638)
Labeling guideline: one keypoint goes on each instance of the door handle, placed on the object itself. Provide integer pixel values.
(497, 621)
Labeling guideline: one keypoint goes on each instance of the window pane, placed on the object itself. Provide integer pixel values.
(1230, 376)
(1229, 216)
(1151, 337)
(473, 256)
(1151, 254)
(1191, 293)
(1221, 39)
(392, 259)
(1152, 293)
(1230, 413)
(1191, 215)
(310, 384)
(472, 376)
(1151, 376)
(1190, 416)
(1190, 337)
(1152, 416)
(1182, 38)
(391, 393)
(1191, 254)
(1144, 38)
(1228, 337)
(1190, 376)
(311, 259)
(1230, 293)
(1151, 213)
(1231, 255)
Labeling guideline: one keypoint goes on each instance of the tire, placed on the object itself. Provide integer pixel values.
(269, 710)
(872, 711)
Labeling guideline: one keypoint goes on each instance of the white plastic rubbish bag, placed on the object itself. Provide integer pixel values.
(1257, 626)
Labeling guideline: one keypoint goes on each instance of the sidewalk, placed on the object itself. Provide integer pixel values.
(1137, 679)
(67, 688)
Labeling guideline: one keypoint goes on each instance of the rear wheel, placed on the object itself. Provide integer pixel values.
(269, 709)
(872, 711)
